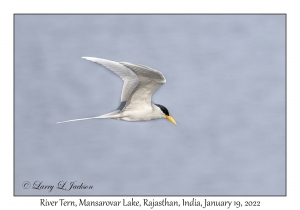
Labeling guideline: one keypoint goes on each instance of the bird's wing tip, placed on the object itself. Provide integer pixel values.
(89, 58)
(93, 59)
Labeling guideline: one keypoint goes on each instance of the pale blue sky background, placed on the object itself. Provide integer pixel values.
(225, 88)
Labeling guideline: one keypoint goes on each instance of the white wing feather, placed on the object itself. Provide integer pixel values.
(129, 77)
(150, 81)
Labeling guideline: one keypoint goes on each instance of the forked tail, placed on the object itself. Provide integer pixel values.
(114, 114)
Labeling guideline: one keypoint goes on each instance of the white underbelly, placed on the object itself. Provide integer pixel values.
(139, 116)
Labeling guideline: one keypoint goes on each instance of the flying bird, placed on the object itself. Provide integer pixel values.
(140, 82)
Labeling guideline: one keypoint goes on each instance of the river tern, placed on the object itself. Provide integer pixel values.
(140, 82)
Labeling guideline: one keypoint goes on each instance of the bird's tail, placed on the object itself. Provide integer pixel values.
(114, 114)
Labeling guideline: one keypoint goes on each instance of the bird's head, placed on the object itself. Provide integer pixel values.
(166, 112)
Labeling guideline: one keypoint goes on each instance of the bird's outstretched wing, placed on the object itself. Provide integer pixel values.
(140, 82)
(130, 79)
(149, 81)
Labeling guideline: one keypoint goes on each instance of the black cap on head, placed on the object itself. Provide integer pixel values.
(163, 109)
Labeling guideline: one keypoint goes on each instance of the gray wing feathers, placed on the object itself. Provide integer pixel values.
(144, 72)
(130, 79)
(140, 82)
(150, 81)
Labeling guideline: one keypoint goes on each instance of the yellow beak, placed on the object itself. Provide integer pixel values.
(171, 119)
